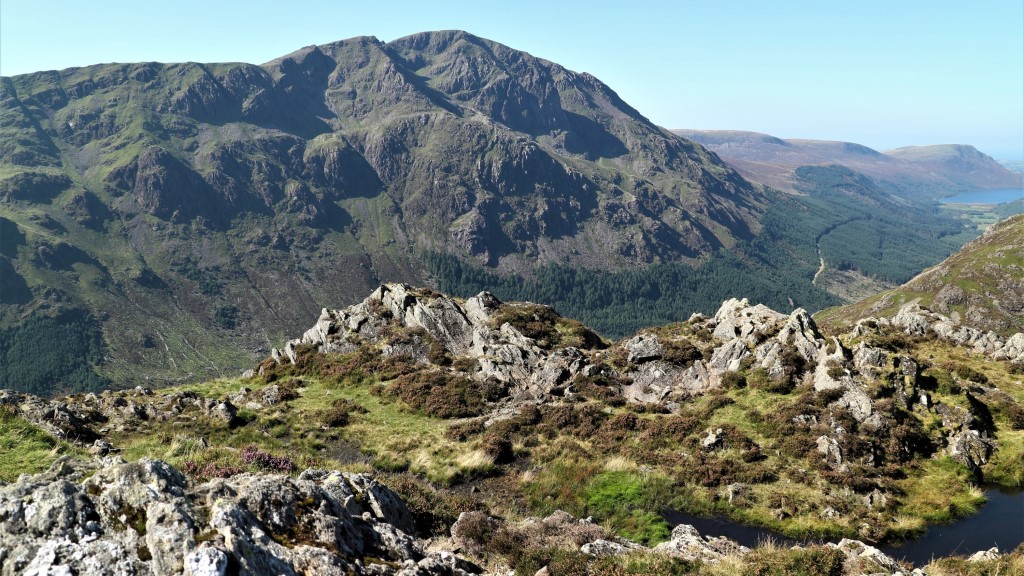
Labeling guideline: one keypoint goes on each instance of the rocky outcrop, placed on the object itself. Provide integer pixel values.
(109, 516)
(915, 320)
(687, 543)
(529, 368)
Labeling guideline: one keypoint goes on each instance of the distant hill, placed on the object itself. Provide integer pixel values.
(964, 165)
(981, 286)
(927, 171)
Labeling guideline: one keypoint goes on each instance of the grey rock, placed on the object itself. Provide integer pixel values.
(687, 543)
(729, 356)
(109, 516)
(831, 452)
(600, 548)
(642, 348)
(206, 561)
(751, 324)
(859, 551)
(970, 448)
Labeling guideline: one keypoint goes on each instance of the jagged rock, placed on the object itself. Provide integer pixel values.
(831, 452)
(601, 548)
(870, 361)
(206, 561)
(729, 356)
(857, 401)
(143, 517)
(1012, 349)
(970, 448)
(801, 332)
(913, 319)
(752, 324)
(875, 499)
(385, 505)
(440, 564)
(859, 551)
(687, 543)
(642, 348)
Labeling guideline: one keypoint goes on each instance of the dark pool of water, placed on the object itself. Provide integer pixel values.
(999, 523)
(986, 196)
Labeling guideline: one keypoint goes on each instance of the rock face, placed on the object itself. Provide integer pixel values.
(527, 368)
(918, 321)
(109, 516)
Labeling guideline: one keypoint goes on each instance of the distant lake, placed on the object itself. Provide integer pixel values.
(986, 196)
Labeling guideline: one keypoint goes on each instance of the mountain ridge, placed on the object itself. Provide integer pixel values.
(157, 196)
(180, 206)
(947, 168)
(980, 286)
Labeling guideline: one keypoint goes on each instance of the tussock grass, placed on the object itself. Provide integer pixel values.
(25, 448)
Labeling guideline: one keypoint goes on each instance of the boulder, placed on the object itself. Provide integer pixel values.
(642, 348)
(688, 544)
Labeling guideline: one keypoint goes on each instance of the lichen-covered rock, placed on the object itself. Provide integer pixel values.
(109, 516)
(687, 543)
(642, 348)
(970, 448)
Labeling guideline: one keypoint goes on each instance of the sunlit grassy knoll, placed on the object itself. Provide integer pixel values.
(941, 491)
(25, 448)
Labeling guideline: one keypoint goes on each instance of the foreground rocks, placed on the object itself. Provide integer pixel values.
(109, 516)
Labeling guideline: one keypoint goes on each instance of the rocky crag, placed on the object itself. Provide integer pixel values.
(745, 410)
(527, 366)
(112, 517)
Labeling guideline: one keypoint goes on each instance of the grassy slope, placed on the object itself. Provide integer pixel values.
(986, 268)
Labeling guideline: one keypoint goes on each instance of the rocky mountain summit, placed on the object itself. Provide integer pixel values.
(526, 354)
(417, 433)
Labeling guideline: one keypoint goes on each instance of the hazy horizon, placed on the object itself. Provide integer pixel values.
(876, 74)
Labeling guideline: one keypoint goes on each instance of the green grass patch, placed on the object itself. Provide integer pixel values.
(26, 448)
(630, 504)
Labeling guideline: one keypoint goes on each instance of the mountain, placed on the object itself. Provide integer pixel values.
(980, 287)
(186, 216)
(415, 433)
(929, 171)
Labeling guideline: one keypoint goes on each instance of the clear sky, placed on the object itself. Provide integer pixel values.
(882, 73)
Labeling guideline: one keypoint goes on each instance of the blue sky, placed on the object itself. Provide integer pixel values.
(884, 74)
